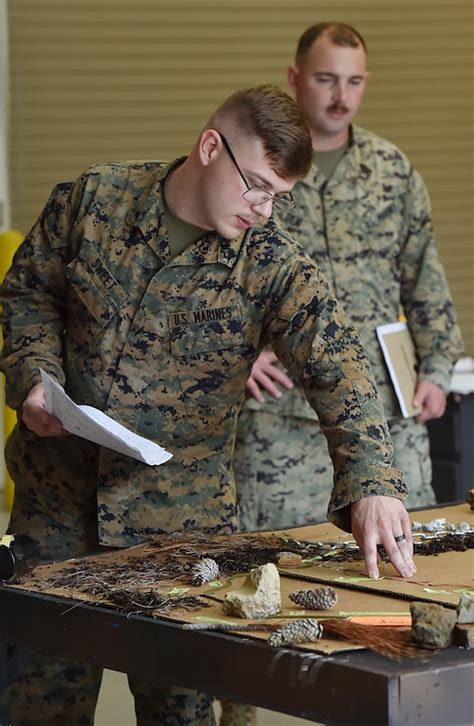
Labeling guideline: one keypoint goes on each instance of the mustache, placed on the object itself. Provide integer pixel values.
(338, 107)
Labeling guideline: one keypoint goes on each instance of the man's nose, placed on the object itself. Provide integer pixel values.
(265, 208)
(340, 91)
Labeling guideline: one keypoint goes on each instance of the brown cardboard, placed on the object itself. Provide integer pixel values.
(439, 579)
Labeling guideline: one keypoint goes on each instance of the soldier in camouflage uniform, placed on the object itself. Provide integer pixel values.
(148, 290)
(363, 214)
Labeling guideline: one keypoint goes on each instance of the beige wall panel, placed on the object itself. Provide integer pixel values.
(95, 80)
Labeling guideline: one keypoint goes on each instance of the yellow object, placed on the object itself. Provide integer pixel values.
(9, 242)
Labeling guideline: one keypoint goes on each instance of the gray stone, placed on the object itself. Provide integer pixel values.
(463, 528)
(259, 596)
(464, 635)
(432, 625)
(436, 525)
(466, 608)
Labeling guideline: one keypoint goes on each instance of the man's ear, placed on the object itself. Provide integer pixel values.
(209, 146)
(292, 74)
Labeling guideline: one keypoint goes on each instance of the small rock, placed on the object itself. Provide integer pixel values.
(259, 596)
(462, 528)
(436, 525)
(432, 625)
(466, 608)
(463, 635)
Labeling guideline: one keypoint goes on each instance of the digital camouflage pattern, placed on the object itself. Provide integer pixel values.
(58, 692)
(369, 229)
(165, 347)
(285, 475)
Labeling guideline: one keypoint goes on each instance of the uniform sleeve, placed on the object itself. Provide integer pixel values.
(310, 336)
(33, 296)
(425, 295)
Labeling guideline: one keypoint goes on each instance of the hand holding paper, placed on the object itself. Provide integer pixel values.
(94, 425)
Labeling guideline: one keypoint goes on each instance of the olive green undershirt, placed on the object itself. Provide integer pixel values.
(326, 161)
(180, 233)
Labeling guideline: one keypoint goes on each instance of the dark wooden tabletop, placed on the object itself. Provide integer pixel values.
(356, 687)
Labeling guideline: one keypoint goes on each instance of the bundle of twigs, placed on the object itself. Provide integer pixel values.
(119, 585)
(233, 554)
(150, 602)
(172, 557)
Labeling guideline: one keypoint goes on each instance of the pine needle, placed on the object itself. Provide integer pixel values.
(395, 643)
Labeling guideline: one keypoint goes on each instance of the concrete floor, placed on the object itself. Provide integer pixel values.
(115, 704)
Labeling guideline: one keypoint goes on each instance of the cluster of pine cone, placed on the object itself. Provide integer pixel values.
(203, 571)
(306, 630)
(319, 598)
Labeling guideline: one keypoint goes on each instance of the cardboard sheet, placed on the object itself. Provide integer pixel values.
(439, 579)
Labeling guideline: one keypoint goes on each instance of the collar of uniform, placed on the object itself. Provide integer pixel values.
(147, 216)
(209, 248)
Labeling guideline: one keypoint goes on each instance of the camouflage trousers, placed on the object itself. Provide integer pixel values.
(47, 691)
(284, 475)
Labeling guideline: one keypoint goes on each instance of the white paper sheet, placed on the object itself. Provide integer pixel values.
(94, 425)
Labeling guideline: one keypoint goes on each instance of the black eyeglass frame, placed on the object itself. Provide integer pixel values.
(287, 199)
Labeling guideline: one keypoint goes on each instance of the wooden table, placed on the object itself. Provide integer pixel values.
(357, 687)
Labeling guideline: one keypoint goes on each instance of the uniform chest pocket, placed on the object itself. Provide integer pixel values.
(95, 285)
(377, 222)
(212, 360)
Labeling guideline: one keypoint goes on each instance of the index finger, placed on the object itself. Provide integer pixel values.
(369, 550)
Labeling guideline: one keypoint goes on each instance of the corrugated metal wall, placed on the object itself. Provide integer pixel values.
(95, 80)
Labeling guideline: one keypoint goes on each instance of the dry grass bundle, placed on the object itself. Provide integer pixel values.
(233, 554)
(395, 643)
(131, 590)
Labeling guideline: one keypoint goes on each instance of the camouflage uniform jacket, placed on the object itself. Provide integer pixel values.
(165, 346)
(369, 229)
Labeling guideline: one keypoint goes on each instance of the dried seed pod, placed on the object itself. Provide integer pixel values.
(289, 559)
(204, 571)
(319, 598)
(306, 630)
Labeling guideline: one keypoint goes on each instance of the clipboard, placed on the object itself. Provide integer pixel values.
(400, 357)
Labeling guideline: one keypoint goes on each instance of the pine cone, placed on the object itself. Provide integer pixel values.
(204, 571)
(307, 630)
(319, 598)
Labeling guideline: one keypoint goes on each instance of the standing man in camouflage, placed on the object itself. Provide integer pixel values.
(148, 291)
(363, 214)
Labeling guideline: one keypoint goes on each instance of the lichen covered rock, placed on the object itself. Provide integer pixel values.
(465, 612)
(432, 625)
(259, 596)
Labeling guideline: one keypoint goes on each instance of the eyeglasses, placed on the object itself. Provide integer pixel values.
(254, 194)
